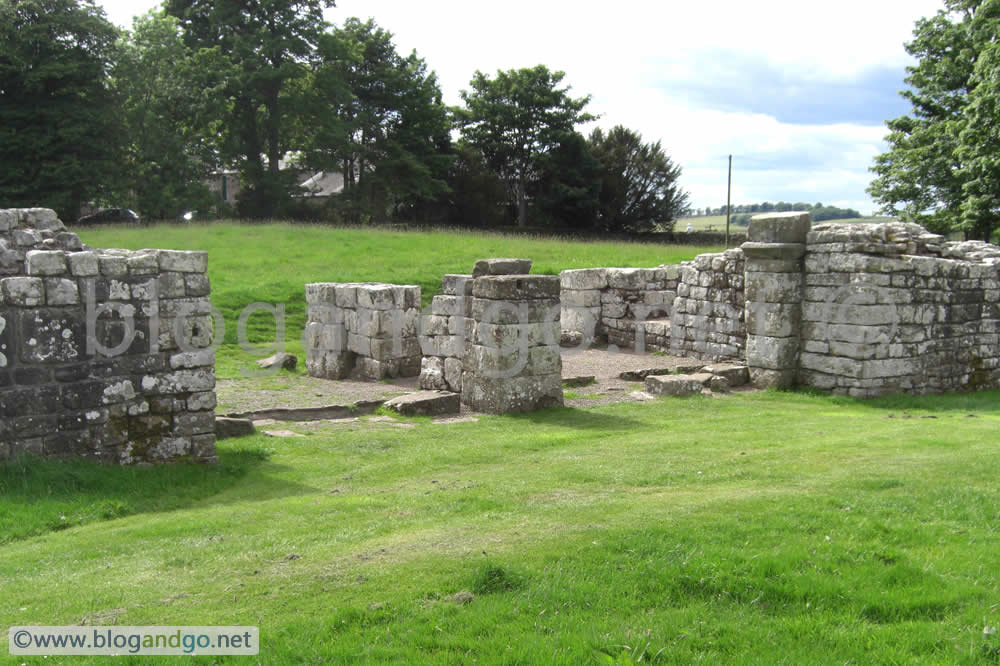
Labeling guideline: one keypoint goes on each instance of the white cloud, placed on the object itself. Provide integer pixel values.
(621, 52)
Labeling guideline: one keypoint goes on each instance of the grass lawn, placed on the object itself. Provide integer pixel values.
(757, 528)
(272, 263)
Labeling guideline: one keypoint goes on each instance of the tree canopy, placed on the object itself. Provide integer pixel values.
(939, 167)
(514, 118)
(59, 130)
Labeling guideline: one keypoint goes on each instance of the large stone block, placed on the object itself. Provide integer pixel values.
(518, 312)
(672, 385)
(791, 227)
(426, 403)
(329, 364)
(183, 262)
(52, 336)
(516, 287)
(454, 284)
(584, 279)
(23, 291)
(501, 267)
(774, 287)
(44, 262)
(516, 335)
(506, 396)
(772, 353)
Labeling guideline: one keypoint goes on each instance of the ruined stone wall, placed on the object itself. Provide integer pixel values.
(444, 333)
(618, 305)
(365, 330)
(104, 354)
(708, 314)
(513, 361)
(892, 308)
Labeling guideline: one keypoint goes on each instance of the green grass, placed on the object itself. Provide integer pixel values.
(759, 528)
(272, 263)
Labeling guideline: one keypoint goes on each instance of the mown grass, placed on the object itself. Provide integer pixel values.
(271, 263)
(758, 528)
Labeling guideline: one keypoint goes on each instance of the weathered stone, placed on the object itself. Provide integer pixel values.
(146, 262)
(426, 403)
(735, 375)
(791, 227)
(59, 291)
(516, 287)
(112, 265)
(520, 312)
(583, 299)
(83, 264)
(578, 381)
(183, 262)
(772, 353)
(330, 364)
(454, 284)
(43, 262)
(501, 267)
(505, 396)
(453, 368)
(718, 384)
(432, 374)
(43, 219)
(672, 385)
(226, 428)
(584, 279)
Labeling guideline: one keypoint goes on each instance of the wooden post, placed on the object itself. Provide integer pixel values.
(729, 194)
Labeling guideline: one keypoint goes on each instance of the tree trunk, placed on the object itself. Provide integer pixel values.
(522, 204)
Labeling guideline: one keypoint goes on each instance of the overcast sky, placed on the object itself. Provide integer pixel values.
(797, 91)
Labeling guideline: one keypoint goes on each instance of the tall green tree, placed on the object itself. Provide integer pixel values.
(59, 132)
(170, 113)
(267, 47)
(639, 183)
(568, 189)
(516, 117)
(378, 117)
(924, 176)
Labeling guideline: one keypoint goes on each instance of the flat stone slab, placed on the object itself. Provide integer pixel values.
(226, 428)
(426, 403)
(282, 361)
(501, 266)
(455, 419)
(672, 385)
(736, 375)
(680, 368)
(282, 433)
(313, 413)
(583, 380)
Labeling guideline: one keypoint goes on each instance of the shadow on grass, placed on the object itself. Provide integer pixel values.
(41, 496)
(577, 418)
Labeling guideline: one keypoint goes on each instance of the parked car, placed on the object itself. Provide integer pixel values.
(110, 216)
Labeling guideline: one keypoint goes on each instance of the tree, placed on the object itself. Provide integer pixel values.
(379, 118)
(639, 186)
(266, 47)
(169, 116)
(58, 119)
(516, 117)
(569, 184)
(921, 177)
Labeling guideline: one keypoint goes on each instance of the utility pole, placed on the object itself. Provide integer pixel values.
(729, 201)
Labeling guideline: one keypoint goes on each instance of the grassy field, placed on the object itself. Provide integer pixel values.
(272, 264)
(787, 528)
(762, 528)
(718, 223)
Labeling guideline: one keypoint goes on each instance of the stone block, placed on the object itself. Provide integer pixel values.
(59, 291)
(384, 349)
(767, 379)
(369, 368)
(773, 319)
(196, 284)
(200, 402)
(26, 238)
(375, 296)
(432, 374)
(672, 385)
(582, 299)
(83, 264)
(774, 287)
(227, 428)
(43, 219)
(112, 265)
(44, 262)
(454, 284)
(772, 353)
(501, 267)
(330, 364)
(517, 312)
(168, 285)
(510, 336)
(584, 279)
(631, 279)
(506, 396)
(51, 336)
(183, 262)
(453, 369)
(144, 262)
(791, 227)
(426, 403)
(516, 287)
(735, 375)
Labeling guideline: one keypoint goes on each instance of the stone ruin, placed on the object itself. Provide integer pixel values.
(492, 336)
(104, 354)
(858, 309)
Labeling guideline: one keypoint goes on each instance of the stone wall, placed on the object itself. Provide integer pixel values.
(443, 335)
(618, 305)
(708, 314)
(892, 308)
(104, 354)
(513, 362)
(366, 330)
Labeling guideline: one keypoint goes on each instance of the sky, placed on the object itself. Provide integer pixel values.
(797, 92)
